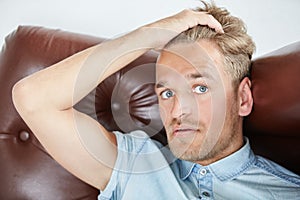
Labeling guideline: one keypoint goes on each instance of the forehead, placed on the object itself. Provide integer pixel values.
(192, 57)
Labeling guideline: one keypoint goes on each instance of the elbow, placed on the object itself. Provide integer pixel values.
(22, 98)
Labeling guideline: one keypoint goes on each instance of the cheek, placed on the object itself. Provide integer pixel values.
(163, 111)
(204, 110)
(207, 113)
(220, 109)
(217, 108)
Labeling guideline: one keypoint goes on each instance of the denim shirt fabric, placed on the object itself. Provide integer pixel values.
(144, 169)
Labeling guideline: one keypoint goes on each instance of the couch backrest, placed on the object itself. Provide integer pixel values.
(274, 124)
(26, 170)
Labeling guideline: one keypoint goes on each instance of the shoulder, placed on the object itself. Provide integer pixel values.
(140, 160)
(136, 142)
(275, 171)
(263, 179)
(138, 152)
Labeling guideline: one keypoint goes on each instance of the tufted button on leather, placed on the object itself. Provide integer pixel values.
(24, 136)
(116, 106)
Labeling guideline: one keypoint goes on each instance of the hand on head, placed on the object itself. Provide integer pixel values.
(186, 19)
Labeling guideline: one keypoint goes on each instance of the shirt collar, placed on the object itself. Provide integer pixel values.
(185, 168)
(227, 168)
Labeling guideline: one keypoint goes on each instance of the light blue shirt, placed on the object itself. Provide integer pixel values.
(144, 169)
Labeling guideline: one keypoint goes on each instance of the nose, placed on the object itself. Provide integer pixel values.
(182, 106)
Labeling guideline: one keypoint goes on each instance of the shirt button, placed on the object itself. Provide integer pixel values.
(203, 172)
(206, 194)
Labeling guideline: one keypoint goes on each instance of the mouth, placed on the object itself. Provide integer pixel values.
(184, 131)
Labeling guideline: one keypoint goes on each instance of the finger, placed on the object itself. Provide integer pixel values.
(210, 21)
(203, 18)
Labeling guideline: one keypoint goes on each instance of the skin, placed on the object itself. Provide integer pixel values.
(202, 111)
(45, 99)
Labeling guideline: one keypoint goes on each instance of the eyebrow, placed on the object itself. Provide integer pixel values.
(190, 76)
(160, 85)
(202, 74)
(195, 75)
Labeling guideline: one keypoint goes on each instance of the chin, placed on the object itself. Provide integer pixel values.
(185, 151)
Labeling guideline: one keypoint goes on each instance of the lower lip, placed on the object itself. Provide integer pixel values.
(184, 133)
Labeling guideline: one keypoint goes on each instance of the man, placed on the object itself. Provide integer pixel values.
(203, 93)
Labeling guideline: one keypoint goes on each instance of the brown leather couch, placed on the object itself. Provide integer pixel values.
(126, 103)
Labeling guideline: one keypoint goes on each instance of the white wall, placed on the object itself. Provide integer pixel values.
(271, 23)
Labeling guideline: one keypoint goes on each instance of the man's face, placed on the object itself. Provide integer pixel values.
(198, 105)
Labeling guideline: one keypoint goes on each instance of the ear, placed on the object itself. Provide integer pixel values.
(245, 97)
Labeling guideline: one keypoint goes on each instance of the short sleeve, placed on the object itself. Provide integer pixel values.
(136, 154)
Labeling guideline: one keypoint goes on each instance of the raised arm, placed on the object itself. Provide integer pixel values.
(45, 99)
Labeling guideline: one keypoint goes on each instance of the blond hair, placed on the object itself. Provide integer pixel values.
(235, 44)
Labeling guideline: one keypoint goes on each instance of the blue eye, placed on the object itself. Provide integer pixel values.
(167, 94)
(200, 89)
